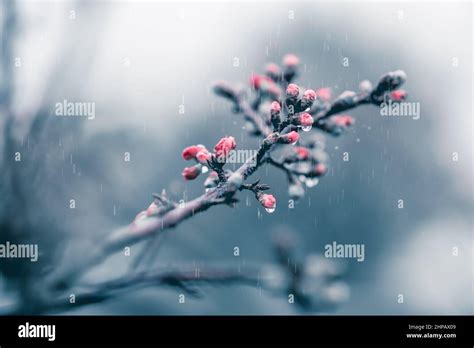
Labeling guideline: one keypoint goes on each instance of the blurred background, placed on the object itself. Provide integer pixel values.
(140, 63)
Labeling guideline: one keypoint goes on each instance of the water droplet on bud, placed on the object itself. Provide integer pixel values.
(270, 210)
(306, 128)
(311, 182)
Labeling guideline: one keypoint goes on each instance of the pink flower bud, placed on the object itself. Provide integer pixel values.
(309, 95)
(290, 138)
(320, 169)
(224, 146)
(272, 69)
(302, 152)
(268, 201)
(305, 120)
(324, 94)
(290, 60)
(275, 108)
(398, 95)
(256, 81)
(292, 90)
(190, 173)
(203, 156)
(190, 152)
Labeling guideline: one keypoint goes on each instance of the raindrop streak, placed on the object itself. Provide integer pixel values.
(311, 182)
(306, 128)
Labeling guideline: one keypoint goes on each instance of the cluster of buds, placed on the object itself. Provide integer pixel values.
(205, 158)
(278, 111)
(304, 165)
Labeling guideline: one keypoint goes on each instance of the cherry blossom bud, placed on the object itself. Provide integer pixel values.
(203, 156)
(191, 151)
(324, 94)
(152, 209)
(398, 95)
(275, 108)
(320, 169)
(309, 95)
(292, 91)
(302, 152)
(305, 120)
(224, 146)
(290, 60)
(290, 138)
(191, 173)
(273, 71)
(268, 201)
(257, 81)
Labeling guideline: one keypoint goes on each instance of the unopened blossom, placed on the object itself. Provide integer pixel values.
(272, 70)
(191, 173)
(291, 60)
(309, 95)
(302, 152)
(203, 156)
(305, 120)
(191, 151)
(320, 169)
(268, 201)
(324, 94)
(292, 90)
(289, 138)
(398, 95)
(224, 146)
(275, 108)
(257, 81)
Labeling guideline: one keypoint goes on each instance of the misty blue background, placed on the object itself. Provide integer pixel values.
(139, 61)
